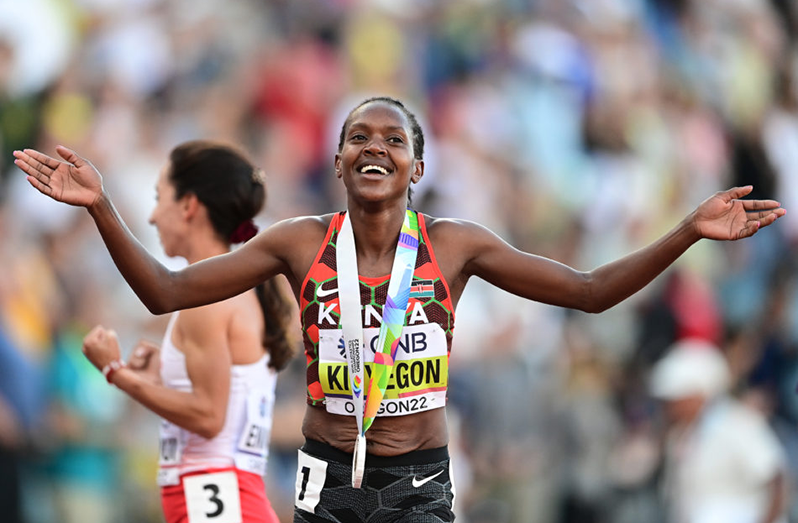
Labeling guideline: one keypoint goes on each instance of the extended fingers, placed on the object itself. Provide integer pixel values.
(32, 172)
(32, 167)
(29, 161)
(39, 185)
(70, 156)
(751, 227)
(757, 205)
(772, 217)
(736, 192)
(766, 213)
(758, 219)
(39, 157)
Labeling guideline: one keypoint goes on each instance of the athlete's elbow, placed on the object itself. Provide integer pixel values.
(590, 306)
(210, 427)
(158, 303)
(587, 299)
(596, 303)
(590, 296)
(157, 308)
(596, 307)
(160, 296)
(203, 419)
(208, 433)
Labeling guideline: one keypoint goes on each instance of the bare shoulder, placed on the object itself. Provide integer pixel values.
(302, 226)
(293, 236)
(456, 244)
(295, 242)
(219, 318)
(447, 230)
(204, 328)
(436, 224)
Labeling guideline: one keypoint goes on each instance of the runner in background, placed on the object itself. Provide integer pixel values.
(400, 275)
(213, 378)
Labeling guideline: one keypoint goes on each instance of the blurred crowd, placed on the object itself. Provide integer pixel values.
(576, 129)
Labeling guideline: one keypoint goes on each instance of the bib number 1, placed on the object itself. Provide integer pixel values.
(213, 498)
(310, 478)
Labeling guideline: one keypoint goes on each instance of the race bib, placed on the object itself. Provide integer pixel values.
(213, 498)
(420, 373)
(311, 474)
(253, 444)
(170, 453)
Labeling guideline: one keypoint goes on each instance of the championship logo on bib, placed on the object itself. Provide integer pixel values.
(419, 378)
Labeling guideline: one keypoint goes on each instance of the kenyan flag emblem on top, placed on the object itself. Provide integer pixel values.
(422, 289)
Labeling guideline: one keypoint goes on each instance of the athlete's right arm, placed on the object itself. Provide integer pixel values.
(202, 409)
(76, 182)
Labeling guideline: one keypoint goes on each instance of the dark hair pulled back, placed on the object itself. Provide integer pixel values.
(233, 191)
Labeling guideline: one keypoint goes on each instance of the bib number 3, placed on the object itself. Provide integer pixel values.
(212, 498)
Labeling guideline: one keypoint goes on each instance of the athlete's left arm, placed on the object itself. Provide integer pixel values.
(723, 216)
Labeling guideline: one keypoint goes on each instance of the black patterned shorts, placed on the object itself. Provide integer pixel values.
(411, 488)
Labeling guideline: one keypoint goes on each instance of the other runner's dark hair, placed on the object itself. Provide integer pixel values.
(232, 189)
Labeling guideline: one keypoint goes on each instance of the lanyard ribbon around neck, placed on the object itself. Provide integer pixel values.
(393, 319)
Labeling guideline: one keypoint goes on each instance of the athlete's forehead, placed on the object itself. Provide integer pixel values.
(163, 175)
(380, 114)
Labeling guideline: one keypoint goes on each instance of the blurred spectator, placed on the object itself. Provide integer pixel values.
(576, 129)
(19, 411)
(84, 466)
(722, 460)
(513, 461)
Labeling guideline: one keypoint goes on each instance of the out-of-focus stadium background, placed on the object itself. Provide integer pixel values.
(579, 130)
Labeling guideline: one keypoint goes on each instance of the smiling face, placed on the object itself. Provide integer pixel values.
(376, 160)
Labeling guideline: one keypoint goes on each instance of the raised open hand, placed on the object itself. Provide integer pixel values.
(74, 181)
(724, 216)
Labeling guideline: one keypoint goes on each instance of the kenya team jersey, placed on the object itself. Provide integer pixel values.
(421, 370)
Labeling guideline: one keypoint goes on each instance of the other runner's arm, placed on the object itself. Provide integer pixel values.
(75, 181)
(145, 360)
(205, 346)
(722, 217)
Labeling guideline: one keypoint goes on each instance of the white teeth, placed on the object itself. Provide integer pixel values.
(377, 168)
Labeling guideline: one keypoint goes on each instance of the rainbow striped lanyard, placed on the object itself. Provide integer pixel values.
(393, 319)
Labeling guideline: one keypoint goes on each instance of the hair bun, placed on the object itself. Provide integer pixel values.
(246, 231)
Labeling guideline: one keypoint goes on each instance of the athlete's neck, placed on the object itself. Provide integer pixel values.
(207, 248)
(376, 232)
